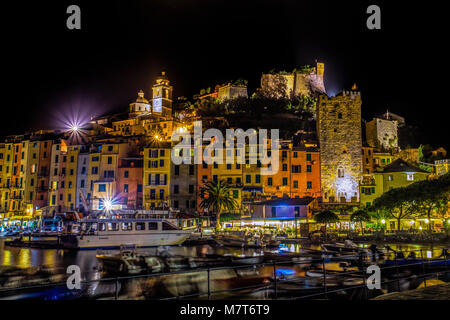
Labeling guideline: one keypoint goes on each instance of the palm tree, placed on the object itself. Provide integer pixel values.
(217, 197)
(360, 216)
(325, 217)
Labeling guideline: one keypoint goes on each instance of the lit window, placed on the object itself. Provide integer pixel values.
(410, 177)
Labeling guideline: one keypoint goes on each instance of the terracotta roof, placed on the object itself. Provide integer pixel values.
(400, 165)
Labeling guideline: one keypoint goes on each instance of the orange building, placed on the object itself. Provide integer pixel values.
(129, 183)
(298, 173)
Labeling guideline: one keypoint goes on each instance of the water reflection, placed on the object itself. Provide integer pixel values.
(29, 257)
(192, 282)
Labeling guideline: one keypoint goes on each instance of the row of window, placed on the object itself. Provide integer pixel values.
(126, 226)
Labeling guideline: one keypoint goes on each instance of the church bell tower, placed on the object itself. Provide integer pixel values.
(162, 96)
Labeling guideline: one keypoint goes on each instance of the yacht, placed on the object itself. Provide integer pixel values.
(116, 233)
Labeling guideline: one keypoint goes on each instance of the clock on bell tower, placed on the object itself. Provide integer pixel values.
(162, 95)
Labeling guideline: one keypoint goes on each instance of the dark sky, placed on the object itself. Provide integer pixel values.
(49, 71)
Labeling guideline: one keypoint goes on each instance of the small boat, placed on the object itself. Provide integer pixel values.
(130, 263)
(243, 259)
(246, 240)
(347, 247)
(177, 262)
(305, 286)
(319, 274)
(417, 262)
(207, 262)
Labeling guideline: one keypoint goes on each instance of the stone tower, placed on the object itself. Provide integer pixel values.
(339, 132)
(382, 134)
(162, 96)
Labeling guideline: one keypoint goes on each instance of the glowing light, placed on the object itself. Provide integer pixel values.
(411, 222)
(383, 221)
(420, 228)
(285, 272)
(108, 204)
(427, 221)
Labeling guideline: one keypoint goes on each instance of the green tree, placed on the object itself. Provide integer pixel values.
(360, 216)
(397, 202)
(218, 197)
(431, 197)
(326, 217)
(378, 215)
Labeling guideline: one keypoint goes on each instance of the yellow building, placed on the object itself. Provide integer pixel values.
(381, 159)
(398, 174)
(441, 167)
(230, 173)
(71, 177)
(93, 174)
(156, 179)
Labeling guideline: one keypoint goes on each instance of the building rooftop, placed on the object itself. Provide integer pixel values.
(400, 165)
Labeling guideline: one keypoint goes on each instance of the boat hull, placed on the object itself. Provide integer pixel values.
(114, 241)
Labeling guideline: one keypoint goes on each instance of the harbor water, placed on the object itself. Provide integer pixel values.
(58, 260)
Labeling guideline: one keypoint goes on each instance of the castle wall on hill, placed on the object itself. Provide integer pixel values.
(339, 131)
(308, 83)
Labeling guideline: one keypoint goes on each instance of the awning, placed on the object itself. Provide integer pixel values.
(252, 189)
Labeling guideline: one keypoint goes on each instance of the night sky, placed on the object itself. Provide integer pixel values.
(50, 72)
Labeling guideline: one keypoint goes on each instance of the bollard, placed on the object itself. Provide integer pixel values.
(209, 283)
(116, 287)
(324, 278)
(423, 268)
(396, 268)
(275, 276)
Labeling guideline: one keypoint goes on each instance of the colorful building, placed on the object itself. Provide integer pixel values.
(395, 175)
(156, 180)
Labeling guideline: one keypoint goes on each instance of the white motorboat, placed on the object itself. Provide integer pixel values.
(116, 233)
(129, 262)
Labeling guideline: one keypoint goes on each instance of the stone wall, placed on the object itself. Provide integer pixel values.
(382, 134)
(339, 131)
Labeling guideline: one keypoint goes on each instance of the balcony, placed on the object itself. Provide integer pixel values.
(368, 181)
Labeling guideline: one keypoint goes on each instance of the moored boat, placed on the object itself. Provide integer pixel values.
(130, 263)
(246, 240)
(114, 233)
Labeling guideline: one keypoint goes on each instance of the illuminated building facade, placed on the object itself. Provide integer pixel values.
(339, 132)
(156, 180)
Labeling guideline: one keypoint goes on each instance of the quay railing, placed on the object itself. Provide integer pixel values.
(323, 290)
